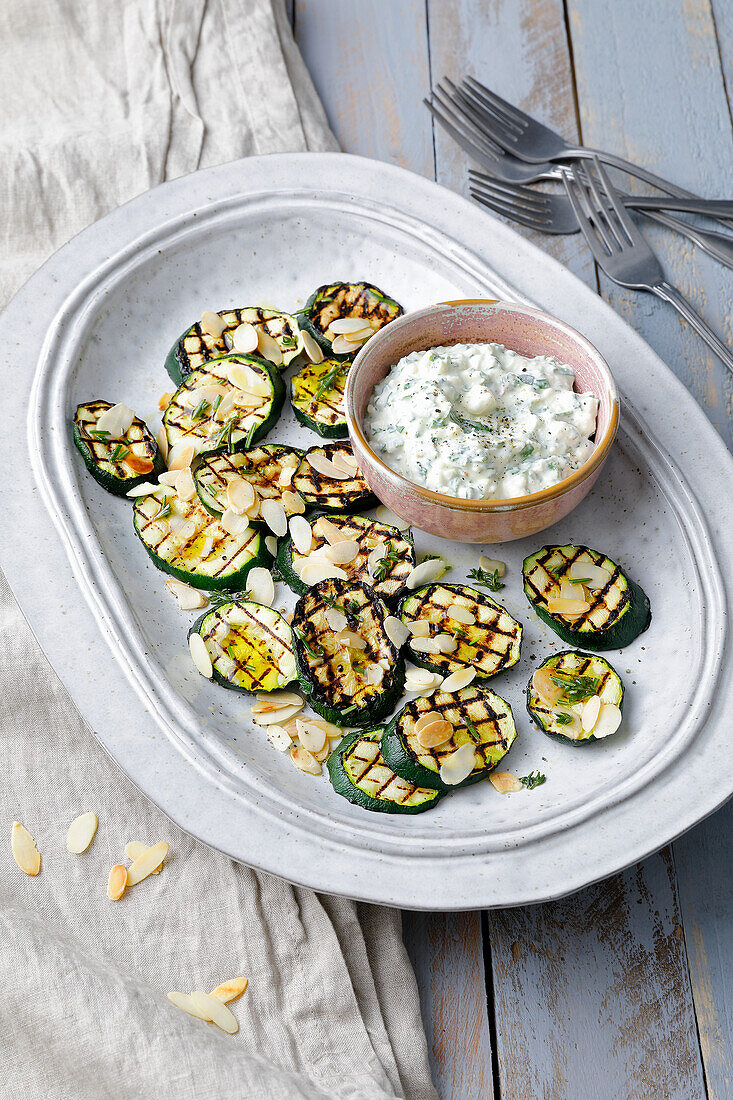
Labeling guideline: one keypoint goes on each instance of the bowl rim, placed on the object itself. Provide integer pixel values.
(552, 492)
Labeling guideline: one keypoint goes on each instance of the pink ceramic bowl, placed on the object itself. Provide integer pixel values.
(528, 331)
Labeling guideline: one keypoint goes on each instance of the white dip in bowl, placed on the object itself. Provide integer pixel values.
(480, 421)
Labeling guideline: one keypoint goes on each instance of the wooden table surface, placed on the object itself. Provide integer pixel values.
(623, 990)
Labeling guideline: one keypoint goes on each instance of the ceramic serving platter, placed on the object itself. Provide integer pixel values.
(97, 321)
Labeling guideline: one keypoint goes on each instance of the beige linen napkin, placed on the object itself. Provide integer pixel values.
(100, 100)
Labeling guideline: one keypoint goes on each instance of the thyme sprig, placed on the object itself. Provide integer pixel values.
(534, 779)
(384, 565)
(314, 651)
(576, 688)
(328, 380)
(487, 578)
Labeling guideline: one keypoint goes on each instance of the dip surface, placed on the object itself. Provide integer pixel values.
(480, 421)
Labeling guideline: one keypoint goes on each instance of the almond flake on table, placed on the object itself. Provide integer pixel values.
(446, 643)
(230, 990)
(591, 711)
(567, 608)
(305, 761)
(330, 531)
(492, 566)
(325, 467)
(277, 700)
(184, 1002)
(80, 833)
(593, 576)
(276, 717)
(427, 719)
(457, 680)
(279, 738)
(313, 349)
(212, 323)
(217, 1011)
(260, 586)
(336, 619)
(200, 655)
(311, 736)
(505, 782)
(24, 850)
(145, 489)
(117, 882)
(459, 765)
(608, 721)
(134, 849)
(373, 675)
(358, 337)
(145, 864)
(189, 599)
(425, 572)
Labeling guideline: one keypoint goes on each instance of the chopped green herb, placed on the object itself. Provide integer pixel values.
(120, 452)
(224, 438)
(487, 578)
(473, 733)
(534, 779)
(98, 434)
(384, 565)
(472, 425)
(527, 450)
(201, 410)
(563, 718)
(163, 512)
(313, 651)
(329, 379)
(349, 607)
(287, 341)
(576, 688)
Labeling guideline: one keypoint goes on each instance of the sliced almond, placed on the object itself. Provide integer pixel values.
(250, 381)
(185, 1002)
(375, 556)
(234, 524)
(274, 516)
(457, 680)
(505, 782)
(185, 485)
(313, 349)
(493, 566)
(420, 679)
(342, 553)
(117, 882)
(341, 325)
(547, 690)
(351, 639)
(573, 729)
(426, 572)
(138, 464)
(386, 515)
(420, 628)
(244, 338)
(145, 864)
(216, 1010)
(569, 590)
(459, 764)
(305, 761)
(373, 674)
(189, 599)
(437, 733)
(396, 631)
(260, 586)
(134, 849)
(293, 502)
(592, 576)
(169, 478)
(460, 614)
(181, 455)
(279, 738)
(277, 717)
(358, 337)
(80, 833)
(608, 721)
(330, 531)
(313, 572)
(143, 490)
(230, 990)
(301, 533)
(311, 736)
(164, 401)
(162, 440)
(24, 850)
(446, 643)
(200, 655)
(325, 467)
(117, 421)
(240, 495)
(591, 711)
(341, 346)
(226, 407)
(425, 645)
(336, 619)
(269, 348)
(271, 545)
(277, 700)
(344, 460)
(569, 609)
(427, 719)
(212, 323)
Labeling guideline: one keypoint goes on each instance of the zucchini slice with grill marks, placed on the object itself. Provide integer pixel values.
(250, 645)
(269, 468)
(118, 463)
(368, 533)
(183, 539)
(585, 597)
(489, 645)
(358, 772)
(332, 494)
(196, 346)
(348, 668)
(317, 397)
(492, 733)
(213, 410)
(561, 687)
(336, 300)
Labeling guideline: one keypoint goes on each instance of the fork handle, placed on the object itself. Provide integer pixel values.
(670, 294)
(717, 245)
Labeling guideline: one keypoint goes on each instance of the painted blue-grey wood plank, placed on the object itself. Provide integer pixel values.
(369, 63)
(650, 86)
(519, 48)
(723, 16)
(446, 950)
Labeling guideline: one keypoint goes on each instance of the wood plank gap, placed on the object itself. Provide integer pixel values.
(686, 947)
(721, 62)
(430, 85)
(573, 81)
(490, 1007)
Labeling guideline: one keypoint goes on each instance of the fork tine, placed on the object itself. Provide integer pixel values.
(522, 217)
(596, 209)
(517, 201)
(513, 114)
(581, 206)
(536, 199)
(610, 193)
(460, 120)
(601, 214)
(458, 128)
(487, 115)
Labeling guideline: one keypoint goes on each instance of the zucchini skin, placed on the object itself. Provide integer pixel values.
(343, 785)
(390, 689)
(306, 317)
(197, 628)
(635, 619)
(423, 659)
(119, 487)
(339, 430)
(552, 661)
(401, 760)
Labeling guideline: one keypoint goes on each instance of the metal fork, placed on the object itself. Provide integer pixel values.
(622, 252)
(523, 137)
(554, 213)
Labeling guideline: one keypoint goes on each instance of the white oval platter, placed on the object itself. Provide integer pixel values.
(97, 321)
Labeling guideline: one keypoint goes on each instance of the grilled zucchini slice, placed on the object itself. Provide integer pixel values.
(250, 645)
(117, 464)
(573, 678)
(330, 494)
(183, 539)
(368, 533)
(333, 669)
(317, 397)
(489, 645)
(493, 734)
(201, 410)
(197, 346)
(346, 300)
(615, 609)
(358, 772)
(269, 468)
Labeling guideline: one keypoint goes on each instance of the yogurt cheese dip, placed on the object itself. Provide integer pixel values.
(480, 421)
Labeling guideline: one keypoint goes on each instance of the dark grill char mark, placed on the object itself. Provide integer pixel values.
(418, 707)
(597, 598)
(317, 489)
(374, 760)
(359, 529)
(269, 661)
(262, 467)
(440, 597)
